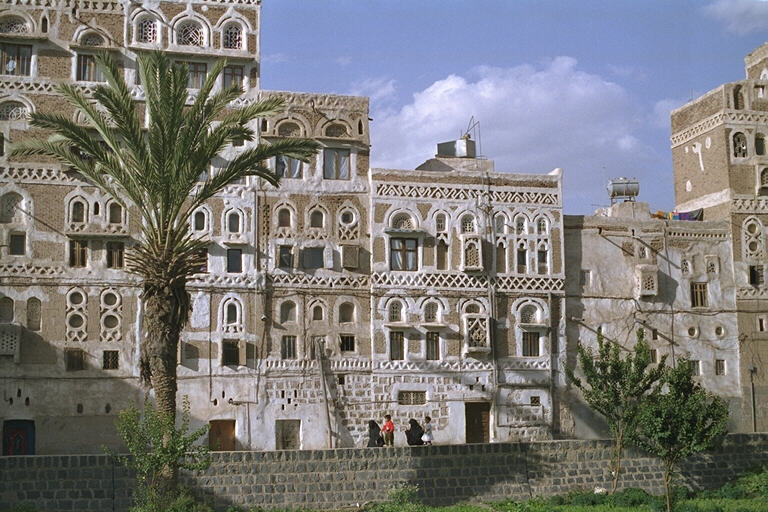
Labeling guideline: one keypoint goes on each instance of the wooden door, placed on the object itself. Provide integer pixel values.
(478, 422)
(19, 437)
(287, 434)
(221, 435)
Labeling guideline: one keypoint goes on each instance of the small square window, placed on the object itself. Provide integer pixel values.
(111, 360)
(699, 297)
(78, 253)
(531, 344)
(342, 379)
(433, 346)
(396, 346)
(719, 366)
(288, 347)
(411, 397)
(74, 359)
(234, 260)
(17, 244)
(695, 367)
(285, 256)
(230, 353)
(762, 323)
(654, 334)
(347, 343)
(115, 251)
(535, 400)
(313, 257)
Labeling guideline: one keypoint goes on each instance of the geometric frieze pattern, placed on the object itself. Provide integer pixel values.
(28, 270)
(234, 280)
(111, 316)
(751, 292)
(351, 365)
(97, 229)
(464, 194)
(697, 235)
(730, 116)
(308, 281)
(465, 281)
(314, 101)
(749, 205)
(36, 174)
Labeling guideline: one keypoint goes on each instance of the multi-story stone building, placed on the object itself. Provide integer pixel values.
(344, 294)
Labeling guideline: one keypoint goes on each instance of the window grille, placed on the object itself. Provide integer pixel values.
(233, 37)
(15, 59)
(395, 312)
(530, 344)
(347, 343)
(13, 111)
(468, 224)
(288, 347)
(13, 25)
(110, 360)
(411, 397)
(739, 145)
(74, 359)
(699, 295)
(190, 33)
(146, 31)
(440, 223)
(529, 314)
(396, 346)
(402, 221)
(92, 40)
(430, 312)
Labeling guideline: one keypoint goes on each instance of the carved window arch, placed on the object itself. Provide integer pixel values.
(93, 39)
(287, 312)
(6, 310)
(190, 33)
(475, 325)
(232, 315)
(395, 313)
(403, 221)
(346, 313)
(317, 219)
(318, 313)
(753, 240)
(11, 205)
(232, 36)
(542, 226)
(336, 130)
(500, 224)
(530, 314)
(78, 211)
(521, 224)
(468, 224)
(13, 111)
(431, 312)
(440, 223)
(200, 221)
(739, 145)
(115, 213)
(14, 25)
(284, 218)
(146, 30)
(34, 314)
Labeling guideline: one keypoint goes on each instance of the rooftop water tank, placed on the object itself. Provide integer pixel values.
(623, 188)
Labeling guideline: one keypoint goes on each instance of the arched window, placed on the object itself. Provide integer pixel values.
(541, 226)
(232, 37)
(190, 33)
(738, 98)
(468, 224)
(287, 312)
(440, 222)
(284, 218)
(760, 144)
(13, 111)
(471, 255)
(764, 177)
(430, 311)
(336, 130)
(199, 221)
(500, 224)
(146, 31)
(6, 310)
(396, 311)
(231, 313)
(289, 129)
(233, 222)
(34, 313)
(520, 225)
(402, 221)
(529, 314)
(316, 219)
(44, 24)
(78, 211)
(13, 25)
(317, 313)
(10, 208)
(115, 213)
(472, 308)
(346, 313)
(92, 39)
(739, 145)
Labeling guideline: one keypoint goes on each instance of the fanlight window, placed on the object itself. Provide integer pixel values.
(739, 145)
(232, 37)
(317, 313)
(233, 222)
(199, 221)
(13, 25)
(287, 312)
(10, 208)
(529, 314)
(115, 213)
(520, 225)
(336, 130)
(190, 33)
(288, 129)
(347, 312)
(77, 212)
(541, 226)
(402, 221)
(440, 222)
(13, 111)
(146, 31)
(468, 224)
(430, 312)
(92, 39)
(396, 312)
(472, 309)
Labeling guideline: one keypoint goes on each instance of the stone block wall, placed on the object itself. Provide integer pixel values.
(341, 478)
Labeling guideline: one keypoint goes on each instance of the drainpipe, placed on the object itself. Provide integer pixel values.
(752, 372)
(319, 351)
(552, 360)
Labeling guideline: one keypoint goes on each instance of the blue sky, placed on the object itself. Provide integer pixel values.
(582, 85)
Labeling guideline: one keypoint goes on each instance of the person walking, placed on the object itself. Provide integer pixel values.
(374, 435)
(427, 436)
(414, 433)
(388, 431)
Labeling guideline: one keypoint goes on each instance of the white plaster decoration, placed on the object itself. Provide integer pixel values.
(13, 111)
(190, 33)
(458, 193)
(14, 25)
(301, 280)
(76, 315)
(462, 281)
(10, 341)
(145, 30)
(231, 316)
(476, 334)
(111, 316)
(646, 280)
(232, 37)
(753, 239)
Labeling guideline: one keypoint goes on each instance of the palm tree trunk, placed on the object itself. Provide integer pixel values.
(163, 322)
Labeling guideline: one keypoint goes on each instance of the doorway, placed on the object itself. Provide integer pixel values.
(478, 420)
(221, 435)
(287, 434)
(18, 437)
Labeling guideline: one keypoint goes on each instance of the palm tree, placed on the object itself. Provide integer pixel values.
(156, 170)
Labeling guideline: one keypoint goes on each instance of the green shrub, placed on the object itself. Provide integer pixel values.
(404, 494)
(755, 483)
(631, 497)
(584, 498)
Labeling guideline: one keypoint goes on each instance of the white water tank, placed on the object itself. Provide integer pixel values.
(627, 188)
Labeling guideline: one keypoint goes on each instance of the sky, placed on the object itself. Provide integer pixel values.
(584, 85)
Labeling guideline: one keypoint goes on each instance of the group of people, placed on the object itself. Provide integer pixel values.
(415, 434)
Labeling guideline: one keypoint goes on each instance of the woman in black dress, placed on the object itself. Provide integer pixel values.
(374, 435)
(414, 433)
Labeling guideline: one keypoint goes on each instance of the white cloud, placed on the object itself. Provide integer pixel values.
(343, 61)
(740, 16)
(532, 119)
(275, 58)
(381, 91)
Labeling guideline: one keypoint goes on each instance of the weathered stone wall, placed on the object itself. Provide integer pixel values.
(350, 477)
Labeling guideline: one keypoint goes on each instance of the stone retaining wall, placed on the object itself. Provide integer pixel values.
(341, 478)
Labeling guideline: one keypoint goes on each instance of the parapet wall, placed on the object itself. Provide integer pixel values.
(351, 477)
